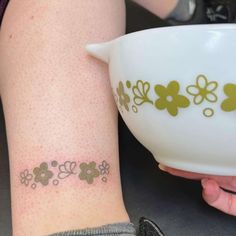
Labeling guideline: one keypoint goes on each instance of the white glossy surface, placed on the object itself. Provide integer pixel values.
(189, 141)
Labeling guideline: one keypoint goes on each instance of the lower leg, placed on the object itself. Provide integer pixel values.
(60, 116)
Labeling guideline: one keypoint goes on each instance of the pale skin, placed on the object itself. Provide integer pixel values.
(213, 188)
(58, 107)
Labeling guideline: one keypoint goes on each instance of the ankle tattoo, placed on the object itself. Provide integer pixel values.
(54, 172)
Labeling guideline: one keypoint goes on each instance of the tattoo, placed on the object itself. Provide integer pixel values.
(66, 169)
(42, 174)
(53, 173)
(88, 172)
(25, 177)
(104, 168)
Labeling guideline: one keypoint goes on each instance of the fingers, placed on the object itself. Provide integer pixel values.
(226, 182)
(212, 193)
(218, 198)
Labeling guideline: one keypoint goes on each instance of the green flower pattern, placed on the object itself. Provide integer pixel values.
(203, 90)
(140, 91)
(230, 103)
(124, 98)
(169, 97)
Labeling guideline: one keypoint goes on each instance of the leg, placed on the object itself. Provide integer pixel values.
(59, 114)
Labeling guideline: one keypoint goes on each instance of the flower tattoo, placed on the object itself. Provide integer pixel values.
(66, 169)
(25, 177)
(42, 174)
(104, 168)
(54, 173)
(88, 172)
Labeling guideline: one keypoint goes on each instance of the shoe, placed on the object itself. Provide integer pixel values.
(220, 11)
(211, 12)
(199, 15)
(149, 228)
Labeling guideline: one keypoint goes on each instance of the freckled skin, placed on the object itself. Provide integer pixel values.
(58, 106)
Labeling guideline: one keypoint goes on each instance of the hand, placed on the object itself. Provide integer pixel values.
(213, 188)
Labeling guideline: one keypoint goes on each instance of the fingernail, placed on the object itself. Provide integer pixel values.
(162, 167)
(204, 183)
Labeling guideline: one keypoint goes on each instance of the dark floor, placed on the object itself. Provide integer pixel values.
(174, 204)
(5, 213)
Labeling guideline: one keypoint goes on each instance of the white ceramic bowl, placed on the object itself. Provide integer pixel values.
(175, 88)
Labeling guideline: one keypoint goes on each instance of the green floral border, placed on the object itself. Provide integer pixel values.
(169, 98)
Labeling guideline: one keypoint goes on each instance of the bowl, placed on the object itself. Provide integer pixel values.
(175, 88)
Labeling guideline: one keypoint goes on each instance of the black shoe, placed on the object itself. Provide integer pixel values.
(220, 11)
(149, 228)
(199, 15)
(211, 12)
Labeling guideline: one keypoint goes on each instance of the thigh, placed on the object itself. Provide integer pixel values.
(59, 112)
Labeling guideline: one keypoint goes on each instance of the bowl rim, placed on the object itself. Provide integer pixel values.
(190, 28)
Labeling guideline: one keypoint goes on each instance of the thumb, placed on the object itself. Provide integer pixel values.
(211, 191)
(218, 198)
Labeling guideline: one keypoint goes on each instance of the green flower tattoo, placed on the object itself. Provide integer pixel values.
(203, 90)
(124, 98)
(229, 104)
(63, 170)
(88, 172)
(42, 174)
(170, 99)
(140, 91)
